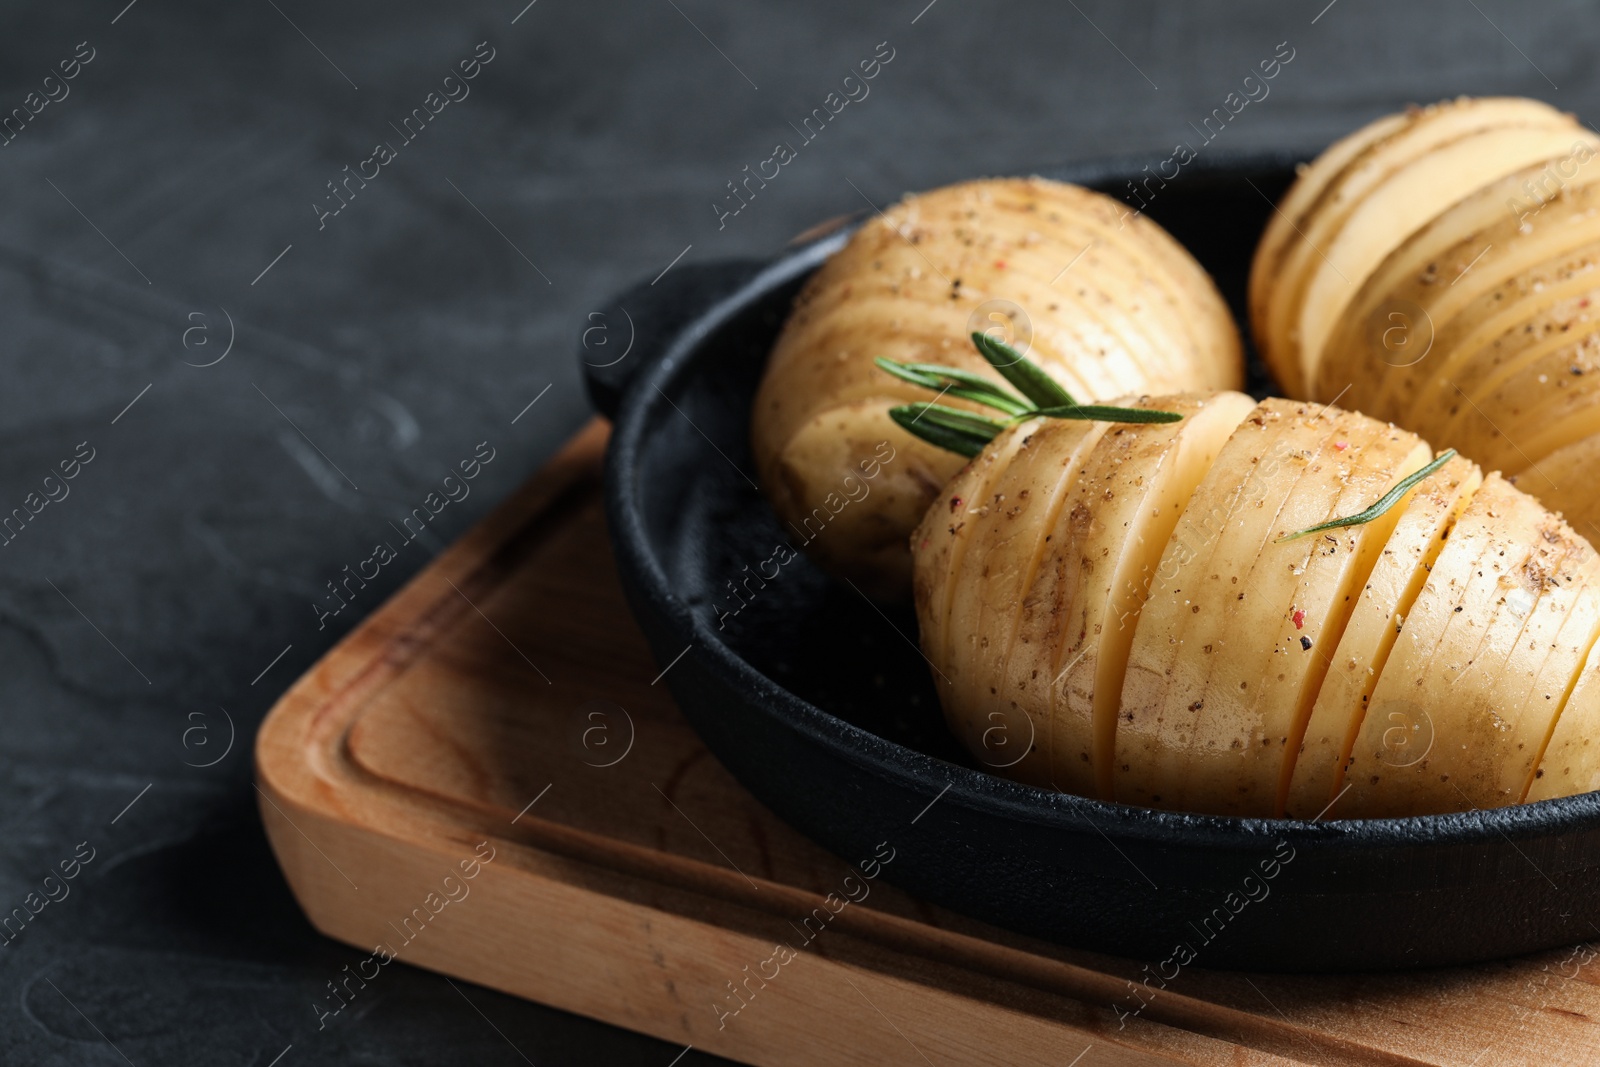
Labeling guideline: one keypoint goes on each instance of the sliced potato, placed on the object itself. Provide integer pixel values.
(1570, 762)
(1478, 328)
(941, 541)
(1304, 196)
(1224, 529)
(1378, 180)
(1419, 658)
(1258, 611)
(1386, 217)
(1108, 304)
(1564, 482)
(1454, 285)
(1501, 279)
(1475, 682)
(1426, 519)
(1023, 502)
(1530, 375)
(1543, 417)
(1077, 619)
(846, 459)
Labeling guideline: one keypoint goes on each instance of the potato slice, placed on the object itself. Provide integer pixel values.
(1450, 289)
(1475, 682)
(1538, 418)
(1382, 169)
(1426, 517)
(1023, 503)
(1534, 307)
(1401, 206)
(1325, 191)
(844, 458)
(1530, 375)
(1482, 303)
(1078, 617)
(1502, 279)
(1249, 696)
(1226, 521)
(1564, 481)
(1289, 218)
(1218, 675)
(1134, 314)
(1570, 762)
(941, 540)
(1543, 417)
(1124, 252)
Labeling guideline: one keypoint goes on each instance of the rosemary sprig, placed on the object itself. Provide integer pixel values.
(1387, 501)
(966, 432)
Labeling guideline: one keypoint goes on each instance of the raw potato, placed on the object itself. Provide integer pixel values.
(1451, 284)
(1110, 611)
(1497, 639)
(1019, 510)
(1122, 511)
(1379, 616)
(1112, 303)
(1227, 662)
(1372, 175)
(1480, 323)
(1571, 760)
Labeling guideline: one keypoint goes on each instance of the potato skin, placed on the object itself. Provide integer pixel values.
(1103, 299)
(1493, 601)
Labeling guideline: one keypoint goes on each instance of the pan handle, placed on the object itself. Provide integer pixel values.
(638, 326)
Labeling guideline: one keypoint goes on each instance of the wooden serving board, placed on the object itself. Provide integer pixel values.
(503, 704)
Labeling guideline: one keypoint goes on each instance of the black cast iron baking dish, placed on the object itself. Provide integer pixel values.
(820, 705)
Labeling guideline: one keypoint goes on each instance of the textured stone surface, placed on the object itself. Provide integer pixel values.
(381, 348)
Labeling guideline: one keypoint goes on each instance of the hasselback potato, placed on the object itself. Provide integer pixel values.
(1123, 611)
(1101, 297)
(1438, 269)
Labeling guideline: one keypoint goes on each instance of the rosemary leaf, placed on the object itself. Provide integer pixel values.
(993, 394)
(1031, 381)
(950, 381)
(1387, 501)
(924, 375)
(912, 418)
(956, 419)
(1107, 413)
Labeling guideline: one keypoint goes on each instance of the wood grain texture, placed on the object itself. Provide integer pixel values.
(637, 892)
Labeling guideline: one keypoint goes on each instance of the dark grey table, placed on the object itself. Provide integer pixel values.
(178, 193)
